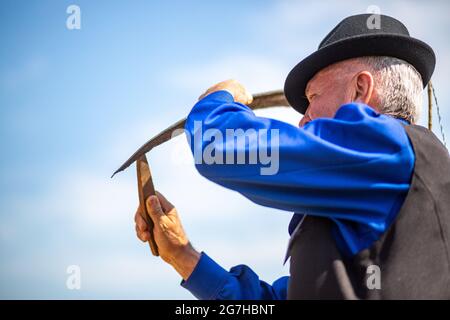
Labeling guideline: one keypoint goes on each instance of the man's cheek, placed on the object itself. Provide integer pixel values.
(327, 108)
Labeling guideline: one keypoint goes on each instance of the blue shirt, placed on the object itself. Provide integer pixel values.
(354, 169)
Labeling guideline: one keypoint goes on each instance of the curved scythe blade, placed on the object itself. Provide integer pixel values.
(260, 101)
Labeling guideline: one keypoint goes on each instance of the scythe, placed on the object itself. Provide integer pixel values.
(145, 182)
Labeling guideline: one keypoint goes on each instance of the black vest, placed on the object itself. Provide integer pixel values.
(413, 255)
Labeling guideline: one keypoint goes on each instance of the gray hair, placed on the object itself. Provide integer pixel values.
(398, 86)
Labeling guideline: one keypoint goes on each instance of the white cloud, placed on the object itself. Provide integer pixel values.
(257, 73)
(91, 217)
(94, 213)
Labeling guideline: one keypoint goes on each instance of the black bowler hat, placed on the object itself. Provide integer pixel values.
(353, 38)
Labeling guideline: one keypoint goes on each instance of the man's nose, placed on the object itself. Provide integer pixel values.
(306, 118)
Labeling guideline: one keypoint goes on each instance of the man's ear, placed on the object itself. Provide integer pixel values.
(363, 87)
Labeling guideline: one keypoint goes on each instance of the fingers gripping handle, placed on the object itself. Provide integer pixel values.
(145, 190)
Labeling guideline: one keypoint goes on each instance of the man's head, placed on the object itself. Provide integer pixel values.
(383, 66)
(389, 85)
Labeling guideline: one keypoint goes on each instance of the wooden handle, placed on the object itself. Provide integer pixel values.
(145, 190)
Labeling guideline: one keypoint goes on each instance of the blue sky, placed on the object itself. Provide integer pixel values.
(74, 104)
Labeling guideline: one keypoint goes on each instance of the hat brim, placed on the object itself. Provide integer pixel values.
(415, 52)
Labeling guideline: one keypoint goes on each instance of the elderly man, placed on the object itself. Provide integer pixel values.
(369, 188)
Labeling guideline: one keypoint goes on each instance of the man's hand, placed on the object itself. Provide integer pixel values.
(237, 90)
(173, 244)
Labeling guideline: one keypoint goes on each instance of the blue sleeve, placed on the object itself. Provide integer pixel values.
(355, 167)
(209, 281)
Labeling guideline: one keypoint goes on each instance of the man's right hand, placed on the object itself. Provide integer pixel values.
(173, 245)
(236, 89)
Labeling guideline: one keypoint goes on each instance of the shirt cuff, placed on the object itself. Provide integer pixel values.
(207, 279)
